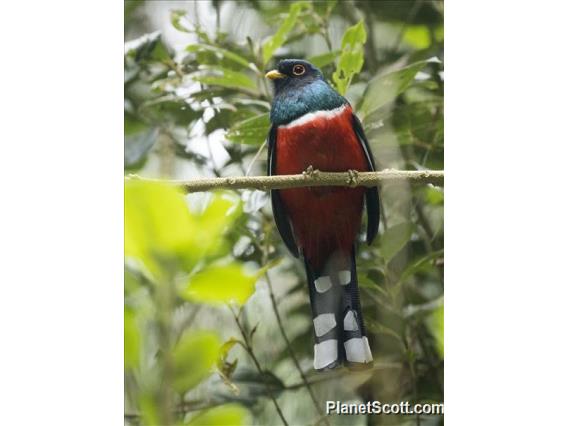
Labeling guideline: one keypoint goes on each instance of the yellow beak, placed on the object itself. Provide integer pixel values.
(273, 75)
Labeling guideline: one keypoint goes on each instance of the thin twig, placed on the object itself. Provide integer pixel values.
(290, 350)
(197, 405)
(250, 351)
(429, 235)
(411, 365)
(409, 18)
(311, 178)
(249, 168)
(210, 151)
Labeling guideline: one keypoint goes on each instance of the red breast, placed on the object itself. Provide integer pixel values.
(328, 218)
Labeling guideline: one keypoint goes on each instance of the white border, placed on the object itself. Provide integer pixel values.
(506, 285)
(61, 216)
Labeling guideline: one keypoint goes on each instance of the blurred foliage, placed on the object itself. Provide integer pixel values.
(351, 59)
(210, 285)
(229, 414)
(193, 356)
(202, 343)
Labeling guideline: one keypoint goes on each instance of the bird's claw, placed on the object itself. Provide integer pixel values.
(353, 179)
(310, 172)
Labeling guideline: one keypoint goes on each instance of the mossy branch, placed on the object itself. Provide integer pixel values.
(310, 177)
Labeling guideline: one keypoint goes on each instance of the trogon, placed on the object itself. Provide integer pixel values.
(313, 125)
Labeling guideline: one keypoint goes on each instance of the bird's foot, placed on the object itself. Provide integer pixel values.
(353, 179)
(310, 172)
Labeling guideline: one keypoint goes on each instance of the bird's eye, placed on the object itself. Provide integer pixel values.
(298, 70)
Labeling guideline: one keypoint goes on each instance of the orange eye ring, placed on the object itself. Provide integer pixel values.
(298, 69)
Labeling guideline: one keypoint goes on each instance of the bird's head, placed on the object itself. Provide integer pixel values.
(293, 74)
(300, 88)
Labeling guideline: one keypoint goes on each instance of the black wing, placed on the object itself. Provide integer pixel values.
(371, 194)
(278, 210)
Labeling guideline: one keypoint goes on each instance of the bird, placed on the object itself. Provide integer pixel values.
(313, 127)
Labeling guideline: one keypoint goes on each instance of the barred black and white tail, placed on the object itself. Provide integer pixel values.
(339, 331)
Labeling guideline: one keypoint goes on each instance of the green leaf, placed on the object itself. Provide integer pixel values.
(277, 40)
(157, 224)
(424, 309)
(435, 324)
(149, 409)
(138, 140)
(416, 123)
(394, 239)
(193, 358)
(220, 284)
(169, 108)
(160, 229)
(324, 59)
(385, 88)
(439, 33)
(131, 281)
(258, 384)
(237, 59)
(225, 415)
(418, 36)
(131, 339)
(252, 131)
(224, 118)
(434, 195)
(324, 7)
(423, 263)
(147, 47)
(376, 327)
(352, 57)
(216, 219)
(225, 78)
(226, 367)
(176, 18)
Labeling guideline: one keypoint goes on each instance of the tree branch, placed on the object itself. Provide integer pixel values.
(310, 177)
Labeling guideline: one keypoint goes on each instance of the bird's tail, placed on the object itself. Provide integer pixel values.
(339, 331)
